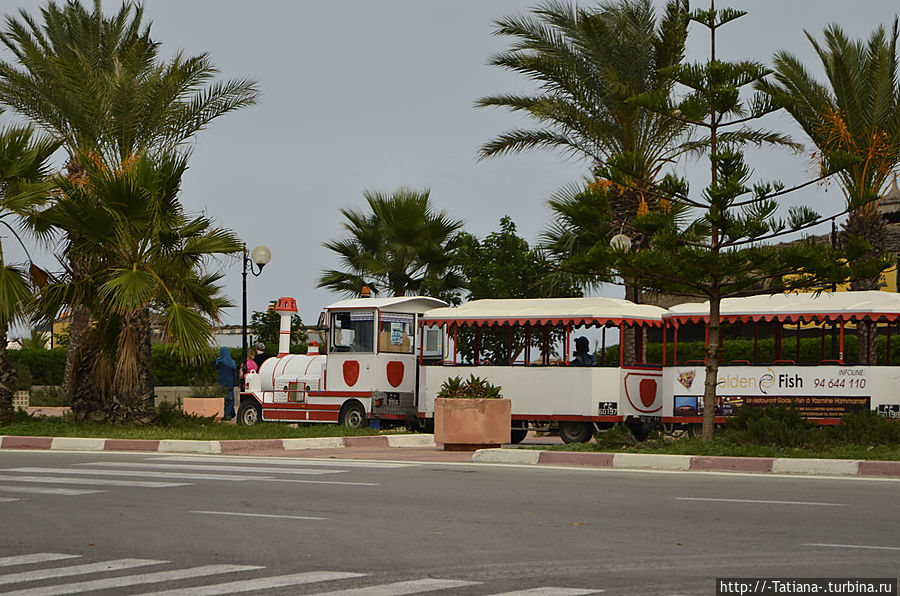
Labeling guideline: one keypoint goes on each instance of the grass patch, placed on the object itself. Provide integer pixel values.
(172, 423)
(766, 432)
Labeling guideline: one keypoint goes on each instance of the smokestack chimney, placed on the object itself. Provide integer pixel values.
(285, 307)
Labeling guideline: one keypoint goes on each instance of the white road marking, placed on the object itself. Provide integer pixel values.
(279, 461)
(39, 490)
(853, 546)
(264, 479)
(399, 588)
(8, 500)
(132, 580)
(35, 558)
(549, 591)
(39, 574)
(145, 474)
(757, 501)
(99, 481)
(241, 514)
(253, 585)
(214, 468)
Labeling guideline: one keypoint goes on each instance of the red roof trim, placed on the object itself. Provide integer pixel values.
(540, 321)
(787, 317)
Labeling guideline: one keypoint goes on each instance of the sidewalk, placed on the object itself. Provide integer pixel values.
(421, 448)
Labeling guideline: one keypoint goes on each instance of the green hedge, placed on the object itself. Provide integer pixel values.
(742, 349)
(47, 367)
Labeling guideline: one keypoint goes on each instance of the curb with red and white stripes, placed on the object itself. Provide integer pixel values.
(692, 463)
(242, 446)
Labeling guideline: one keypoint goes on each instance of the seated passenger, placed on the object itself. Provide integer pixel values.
(583, 356)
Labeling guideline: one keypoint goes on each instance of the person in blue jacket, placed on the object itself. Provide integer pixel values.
(227, 369)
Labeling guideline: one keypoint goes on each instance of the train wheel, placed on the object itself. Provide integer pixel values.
(248, 414)
(353, 415)
(518, 432)
(576, 432)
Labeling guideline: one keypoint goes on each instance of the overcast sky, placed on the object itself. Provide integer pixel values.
(374, 94)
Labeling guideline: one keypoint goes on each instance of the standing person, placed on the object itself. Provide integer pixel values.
(261, 355)
(250, 365)
(227, 369)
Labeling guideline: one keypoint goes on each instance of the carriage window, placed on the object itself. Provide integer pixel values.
(353, 331)
(396, 333)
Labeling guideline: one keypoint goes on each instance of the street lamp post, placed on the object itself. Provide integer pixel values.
(259, 256)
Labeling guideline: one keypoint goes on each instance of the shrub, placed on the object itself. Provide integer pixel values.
(49, 396)
(866, 428)
(773, 426)
(47, 367)
(473, 388)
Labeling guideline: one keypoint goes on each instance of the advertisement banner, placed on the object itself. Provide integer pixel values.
(815, 391)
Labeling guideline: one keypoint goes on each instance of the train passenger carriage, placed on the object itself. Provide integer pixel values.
(525, 347)
(823, 389)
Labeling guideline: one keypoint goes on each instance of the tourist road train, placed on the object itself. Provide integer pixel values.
(385, 360)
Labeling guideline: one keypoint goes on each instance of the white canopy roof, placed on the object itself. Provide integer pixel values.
(544, 311)
(412, 304)
(833, 306)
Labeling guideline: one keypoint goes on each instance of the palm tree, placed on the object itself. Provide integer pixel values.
(147, 257)
(98, 84)
(24, 188)
(401, 247)
(853, 118)
(589, 65)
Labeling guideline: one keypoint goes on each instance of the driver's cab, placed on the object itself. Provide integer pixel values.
(373, 345)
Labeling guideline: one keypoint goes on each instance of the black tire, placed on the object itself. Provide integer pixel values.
(517, 432)
(639, 428)
(576, 432)
(249, 413)
(353, 415)
(695, 430)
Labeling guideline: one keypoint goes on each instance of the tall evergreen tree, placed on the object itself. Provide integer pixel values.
(724, 249)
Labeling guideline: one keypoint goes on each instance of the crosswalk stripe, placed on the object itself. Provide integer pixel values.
(213, 468)
(244, 459)
(241, 514)
(40, 490)
(399, 588)
(39, 574)
(132, 580)
(144, 474)
(253, 585)
(550, 591)
(34, 558)
(98, 481)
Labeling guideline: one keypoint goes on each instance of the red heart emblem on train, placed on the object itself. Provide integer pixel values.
(395, 373)
(648, 392)
(351, 372)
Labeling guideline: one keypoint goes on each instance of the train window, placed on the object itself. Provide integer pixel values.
(396, 333)
(353, 331)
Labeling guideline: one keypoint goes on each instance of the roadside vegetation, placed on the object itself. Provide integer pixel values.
(764, 432)
(171, 423)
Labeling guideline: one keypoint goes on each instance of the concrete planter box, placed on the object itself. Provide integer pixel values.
(204, 406)
(468, 424)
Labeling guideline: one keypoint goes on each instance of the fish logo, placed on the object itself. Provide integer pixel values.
(686, 378)
(766, 381)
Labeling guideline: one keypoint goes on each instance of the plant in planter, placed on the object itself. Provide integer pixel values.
(470, 415)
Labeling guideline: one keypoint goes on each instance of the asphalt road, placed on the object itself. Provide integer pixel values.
(149, 524)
